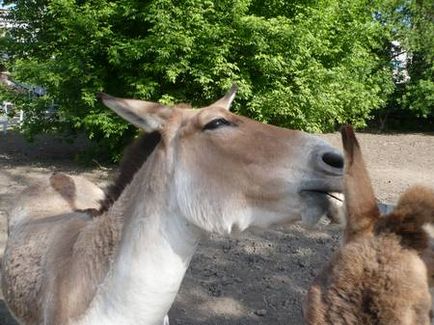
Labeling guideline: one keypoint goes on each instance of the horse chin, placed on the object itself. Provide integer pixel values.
(317, 205)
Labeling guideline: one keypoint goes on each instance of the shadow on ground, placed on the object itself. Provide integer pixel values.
(260, 277)
(5, 316)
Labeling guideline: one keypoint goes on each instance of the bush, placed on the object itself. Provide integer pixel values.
(310, 65)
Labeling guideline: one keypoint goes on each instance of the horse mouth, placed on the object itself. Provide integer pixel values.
(319, 203)
(331, 194)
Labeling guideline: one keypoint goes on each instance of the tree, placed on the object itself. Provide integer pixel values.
(310, 65)
(411, 25)
(418, 38)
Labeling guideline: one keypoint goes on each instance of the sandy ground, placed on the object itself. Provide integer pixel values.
(259, 277)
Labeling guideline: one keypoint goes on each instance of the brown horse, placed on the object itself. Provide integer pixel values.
(207, 170)
(379, 276)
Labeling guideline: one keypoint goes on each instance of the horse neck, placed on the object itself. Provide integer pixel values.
(154, 252)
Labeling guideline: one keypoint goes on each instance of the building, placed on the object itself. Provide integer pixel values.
(5, 23)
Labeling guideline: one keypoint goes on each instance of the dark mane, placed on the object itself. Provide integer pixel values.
(133, 158)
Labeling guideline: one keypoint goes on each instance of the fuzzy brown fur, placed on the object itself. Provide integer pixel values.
(415, 208)
(378, 276)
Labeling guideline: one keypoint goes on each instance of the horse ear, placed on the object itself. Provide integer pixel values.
(148, 116)
(226, 100)
(361, 205)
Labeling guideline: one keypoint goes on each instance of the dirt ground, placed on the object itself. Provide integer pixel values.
(259, 277)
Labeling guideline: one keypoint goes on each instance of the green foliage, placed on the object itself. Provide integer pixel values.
(412, 24)
(310, 64)
(419, 92)
(319, 67)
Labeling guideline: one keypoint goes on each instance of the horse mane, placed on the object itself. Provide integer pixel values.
(134, 156)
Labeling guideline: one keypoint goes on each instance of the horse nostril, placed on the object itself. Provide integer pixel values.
(333, 159)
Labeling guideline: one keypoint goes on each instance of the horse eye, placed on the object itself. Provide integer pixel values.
(214, 124)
